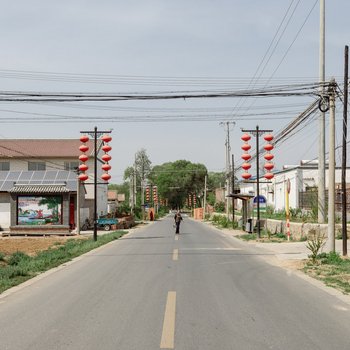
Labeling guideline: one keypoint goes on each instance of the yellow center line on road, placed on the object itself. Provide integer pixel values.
(168, 334)
(175, 254)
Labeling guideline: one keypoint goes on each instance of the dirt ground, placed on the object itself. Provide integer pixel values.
(31, 245)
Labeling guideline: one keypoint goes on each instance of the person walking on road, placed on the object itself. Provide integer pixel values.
(178, 219)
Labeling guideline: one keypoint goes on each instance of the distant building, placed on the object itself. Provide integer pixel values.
(39, 186)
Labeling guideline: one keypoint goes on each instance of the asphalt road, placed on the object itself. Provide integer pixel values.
(150, 290)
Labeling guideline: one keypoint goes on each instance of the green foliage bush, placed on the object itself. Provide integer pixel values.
(332, 258)
(219, 207)
(18, 258)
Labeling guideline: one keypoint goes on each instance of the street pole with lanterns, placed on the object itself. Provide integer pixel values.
(257, 132)
(106, 138)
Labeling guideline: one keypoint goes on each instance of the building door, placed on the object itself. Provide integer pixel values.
(71, 213)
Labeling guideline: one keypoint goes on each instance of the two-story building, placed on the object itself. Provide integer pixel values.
(39, 188)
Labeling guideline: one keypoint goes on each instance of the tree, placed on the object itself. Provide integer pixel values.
(176, 180)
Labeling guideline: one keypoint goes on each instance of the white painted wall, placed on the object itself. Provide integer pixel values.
(5, 215)
(299, 177)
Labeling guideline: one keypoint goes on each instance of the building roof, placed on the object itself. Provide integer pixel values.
(8, 179)
(38, 148)
(37, 189)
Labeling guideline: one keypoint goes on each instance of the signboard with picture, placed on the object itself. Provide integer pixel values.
(39, 210)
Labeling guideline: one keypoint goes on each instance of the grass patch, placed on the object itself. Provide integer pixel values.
(19, 267)
(332, 269)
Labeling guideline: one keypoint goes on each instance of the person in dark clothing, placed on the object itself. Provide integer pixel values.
(178, 219)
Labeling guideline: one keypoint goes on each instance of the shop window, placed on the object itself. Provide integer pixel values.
(36, 166)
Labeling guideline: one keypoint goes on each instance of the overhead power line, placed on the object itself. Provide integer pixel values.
(310, 89)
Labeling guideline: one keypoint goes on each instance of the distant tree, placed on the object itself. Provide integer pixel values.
(216, 180)
(175, 180)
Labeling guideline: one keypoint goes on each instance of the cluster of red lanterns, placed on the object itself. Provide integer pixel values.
(246, 156)
(84, 158)
(155, 194)
(106, 157)
(148, 194)
(268, 166)
(189, 200)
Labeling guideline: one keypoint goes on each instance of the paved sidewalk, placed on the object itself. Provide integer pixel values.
(284, 250)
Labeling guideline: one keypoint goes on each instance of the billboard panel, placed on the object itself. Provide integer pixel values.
(39, 210)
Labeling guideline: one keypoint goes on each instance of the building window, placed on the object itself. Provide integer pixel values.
(4, 166)
(71, 166)
(36, 166)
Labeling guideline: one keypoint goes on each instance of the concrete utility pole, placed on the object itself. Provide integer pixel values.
(343, 168)
(78, 207)
(228, 166)
(331, 169)
(233, 190)
(205, 197)
(135, 184)
(321, 144)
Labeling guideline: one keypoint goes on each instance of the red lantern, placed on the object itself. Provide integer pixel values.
(106, 148)
(106, 157)
(246, 137)
(246, 156)
(268, 147)
(84, 138)
(83, 177)
(246, 176)
(269, 166)
(84, 148)
(83, 167)
(268, 137)
(246, 147)
(269, 176)
(105, 176)
(106, 167)
(268, 156)
(106, 138)
(83, 158)
(246, 166)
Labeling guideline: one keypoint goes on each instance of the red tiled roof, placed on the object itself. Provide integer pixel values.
(24, 148)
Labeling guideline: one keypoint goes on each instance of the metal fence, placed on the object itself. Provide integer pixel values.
(308, 200)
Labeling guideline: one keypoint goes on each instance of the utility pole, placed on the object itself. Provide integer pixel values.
(205, 197)
(135, 185)
(233, 190)
(78, 206)
(143, 187)
(343, 169)
(228, 167)
(321, 145)
(331, 169)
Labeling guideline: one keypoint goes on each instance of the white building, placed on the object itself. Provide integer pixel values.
(302, 178)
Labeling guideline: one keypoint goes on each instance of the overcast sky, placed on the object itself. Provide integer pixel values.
(165, 45)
